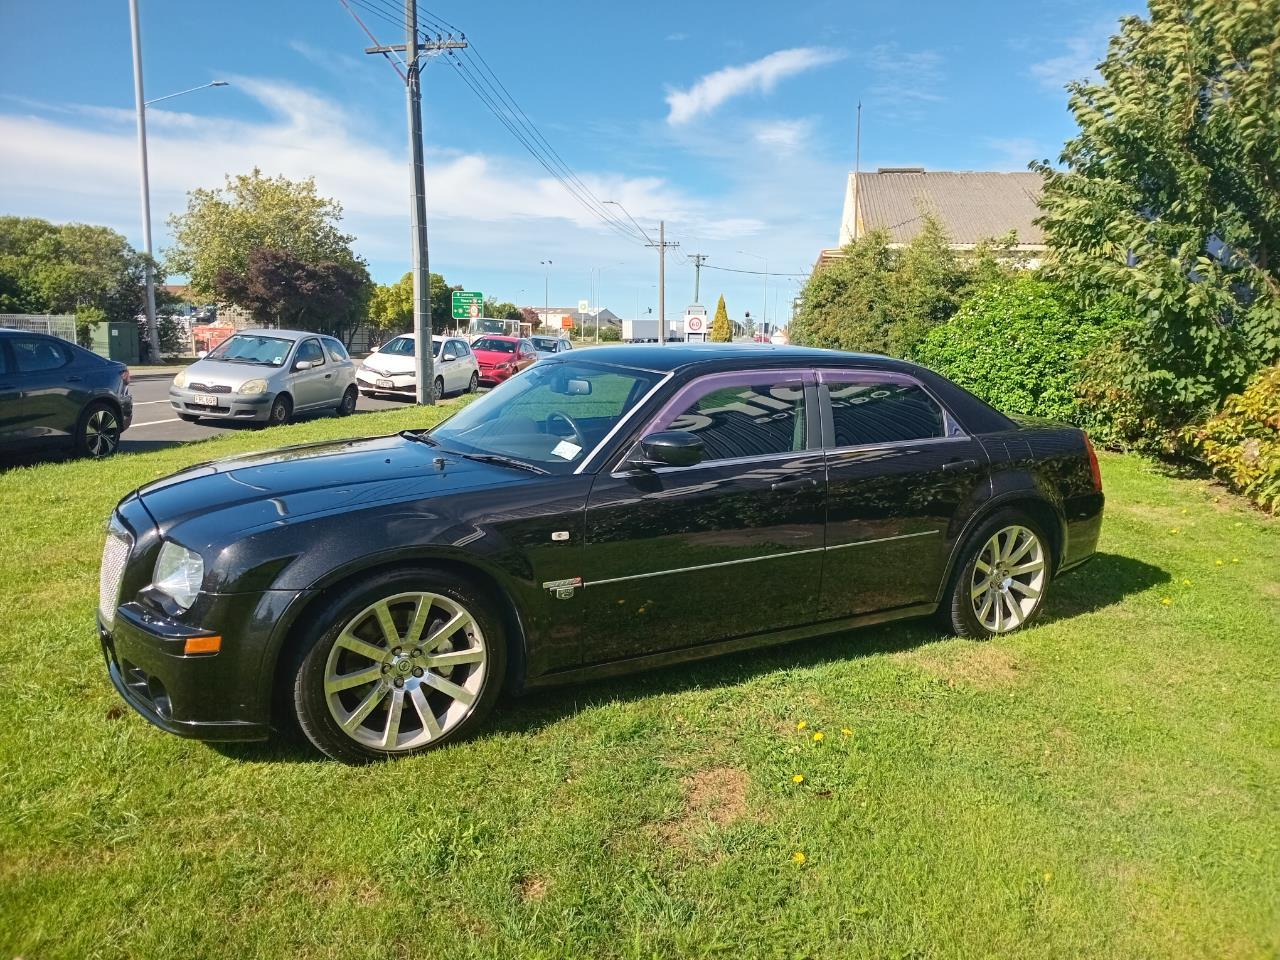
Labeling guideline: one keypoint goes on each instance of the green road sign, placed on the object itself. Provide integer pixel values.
(467, 304)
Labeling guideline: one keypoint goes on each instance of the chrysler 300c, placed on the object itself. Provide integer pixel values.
(605, 511)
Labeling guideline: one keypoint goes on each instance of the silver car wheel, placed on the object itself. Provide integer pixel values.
(1008, 579)
(101, 433)
(422, 648)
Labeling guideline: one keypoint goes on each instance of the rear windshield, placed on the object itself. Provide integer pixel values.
(493, 345)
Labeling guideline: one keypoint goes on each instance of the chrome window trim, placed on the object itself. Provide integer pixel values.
(771, 556)
(948, 419)
(815, 453)
(622, 422)
(893, 444)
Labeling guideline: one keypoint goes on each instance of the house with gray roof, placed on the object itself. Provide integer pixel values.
(971, 206)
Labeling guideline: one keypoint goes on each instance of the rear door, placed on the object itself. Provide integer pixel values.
(680, 556)
(899, 470)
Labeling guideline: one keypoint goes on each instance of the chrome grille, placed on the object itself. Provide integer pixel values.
(206, 388)
(115, 554)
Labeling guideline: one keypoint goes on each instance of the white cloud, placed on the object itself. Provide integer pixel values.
(761, 75)
(906, 80)
(782, 136)
(1080, 59)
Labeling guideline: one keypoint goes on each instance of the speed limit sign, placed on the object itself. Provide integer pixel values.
(474, 310)
(695, 324)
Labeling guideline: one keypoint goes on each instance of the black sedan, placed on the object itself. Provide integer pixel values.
(606, 511)
(54, 393)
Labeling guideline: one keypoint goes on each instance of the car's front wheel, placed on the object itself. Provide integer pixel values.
(281, 410)
(98, 432)
(1002, 578)
(402, 662)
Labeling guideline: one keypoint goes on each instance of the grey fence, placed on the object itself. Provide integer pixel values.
(57, 325)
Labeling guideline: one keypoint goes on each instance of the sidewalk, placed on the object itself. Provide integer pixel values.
(142, 372)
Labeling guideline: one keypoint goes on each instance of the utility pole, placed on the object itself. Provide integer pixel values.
(153, 332)
(662, 245)
(698, 260)
(414, 52)
(546, 293)
(857, 169)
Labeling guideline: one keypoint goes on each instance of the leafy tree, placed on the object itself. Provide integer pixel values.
(68, 268)
(391, 305)
(1170, 199)
(502, 310)
(1019, 344)
(279, 287)
(221, 228)
(882, 299)
(532, 317)
(721, 328)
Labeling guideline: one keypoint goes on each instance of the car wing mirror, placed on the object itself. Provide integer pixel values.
(303, 365)
(202, 354)
(669, 448)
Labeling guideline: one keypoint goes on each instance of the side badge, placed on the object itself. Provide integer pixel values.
(559, 536)
(563, 589)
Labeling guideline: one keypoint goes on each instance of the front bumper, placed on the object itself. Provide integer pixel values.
(371, 382)
(231, 406)
(201, 696)
(495, 375)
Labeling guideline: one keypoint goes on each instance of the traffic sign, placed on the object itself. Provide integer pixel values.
(464, 301)
(584, 306)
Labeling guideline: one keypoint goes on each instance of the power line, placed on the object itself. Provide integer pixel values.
(758, 273)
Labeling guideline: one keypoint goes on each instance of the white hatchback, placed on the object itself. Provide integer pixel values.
(393, 367)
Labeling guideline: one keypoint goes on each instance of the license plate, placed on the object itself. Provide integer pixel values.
(206, 400)
(386, 384)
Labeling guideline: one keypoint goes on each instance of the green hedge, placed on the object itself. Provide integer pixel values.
(1242, 442)
(1018, 344)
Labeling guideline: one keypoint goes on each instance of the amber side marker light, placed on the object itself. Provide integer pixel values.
(202, 645)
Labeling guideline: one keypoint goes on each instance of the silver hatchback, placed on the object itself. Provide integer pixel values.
(267, 376)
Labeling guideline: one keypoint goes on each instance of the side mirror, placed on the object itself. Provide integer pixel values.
(670, 448)
(303, 365)
(202, 354)
(449, 359)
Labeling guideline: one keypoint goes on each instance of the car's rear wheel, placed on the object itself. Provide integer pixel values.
(348, 404)
(98, 431)
(281, 410)
(403, 662)
(1002, 578)
(474, 385)
(437, 391)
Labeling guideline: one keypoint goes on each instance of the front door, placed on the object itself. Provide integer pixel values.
(680, 556)
(315, 386)
(51, 389)
(898, 471)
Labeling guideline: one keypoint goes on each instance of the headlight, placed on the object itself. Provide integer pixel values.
(251, 387)
(179, 573)
(180, 380)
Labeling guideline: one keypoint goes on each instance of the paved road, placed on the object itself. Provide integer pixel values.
(155, 424)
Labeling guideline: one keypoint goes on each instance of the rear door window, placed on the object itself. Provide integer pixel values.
(38, 354)
(872, 408)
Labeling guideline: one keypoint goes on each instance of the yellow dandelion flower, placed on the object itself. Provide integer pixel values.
(1048, 875)
(1235, 559)
(1184, 511)
(847, 732)
(1173, 530)
(1186, 583)
(801, 725)
(1166, 600)
(798, 857)
(1217, 563)
(819, 737)
(798, 778)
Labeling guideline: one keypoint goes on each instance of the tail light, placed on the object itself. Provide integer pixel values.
(1093, 464)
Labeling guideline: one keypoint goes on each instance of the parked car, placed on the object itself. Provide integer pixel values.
(549, 346)
(603, 512)
(501, 358)
(393, 367)
(266, 376)
(54, 393)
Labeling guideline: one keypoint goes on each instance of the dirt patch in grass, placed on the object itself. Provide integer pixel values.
(981, 665)
(716, 796)
(533, 888)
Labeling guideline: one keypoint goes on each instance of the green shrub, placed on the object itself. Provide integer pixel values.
(1241, 443)
(1019, 345)
(610, 334)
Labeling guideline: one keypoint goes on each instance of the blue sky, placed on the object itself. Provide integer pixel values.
(733, 121)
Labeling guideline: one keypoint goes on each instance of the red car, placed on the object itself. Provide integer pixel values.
(501, 358)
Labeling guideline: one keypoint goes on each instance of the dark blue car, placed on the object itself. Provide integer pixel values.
(54, 393)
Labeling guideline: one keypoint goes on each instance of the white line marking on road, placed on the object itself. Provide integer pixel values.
(152, 423)
(143, 403)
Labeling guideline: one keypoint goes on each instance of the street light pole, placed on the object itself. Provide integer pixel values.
(546, 292)
(153, 333)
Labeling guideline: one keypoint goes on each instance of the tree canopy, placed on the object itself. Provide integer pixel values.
(1170, 197)
(222, 228)
(391, 308)
(68, 268)
(278, 287)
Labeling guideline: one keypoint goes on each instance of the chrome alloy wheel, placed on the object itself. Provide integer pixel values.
(422, 648)
(101, 433)
(1008, 579)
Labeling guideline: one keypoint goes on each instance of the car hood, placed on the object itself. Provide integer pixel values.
(391, 363)
(226, 499)
(213, 372)
(493, 357)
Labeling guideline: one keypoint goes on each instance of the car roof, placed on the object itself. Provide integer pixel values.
(281, 334)
(675, 356)
(501, 336)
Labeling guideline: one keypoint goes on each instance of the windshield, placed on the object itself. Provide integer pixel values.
(552, 415)
(494, 345)
(546, 343)
(487, 325)
(407, 347)
(251, 348)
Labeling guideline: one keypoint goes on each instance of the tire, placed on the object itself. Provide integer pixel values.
(980, 605)
(347, 405)
(382, 710)
(474, 385)
(438, 389)
(98, 430)
(189, 417)
(281, 411)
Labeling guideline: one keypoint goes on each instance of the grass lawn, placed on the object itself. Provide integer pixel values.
(1106, 784)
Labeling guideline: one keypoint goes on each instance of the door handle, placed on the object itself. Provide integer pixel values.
(799, 484)
(328, 376)
(959, 464)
